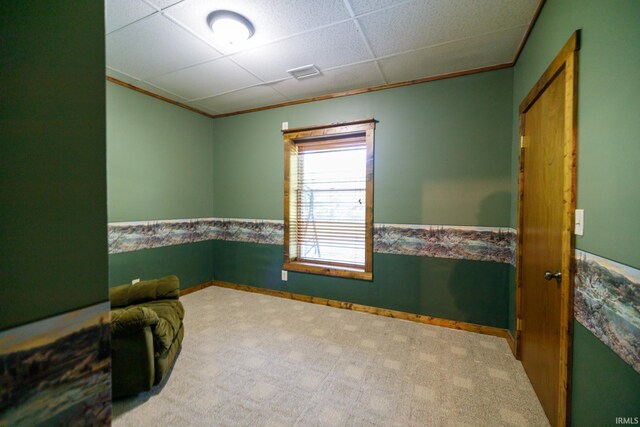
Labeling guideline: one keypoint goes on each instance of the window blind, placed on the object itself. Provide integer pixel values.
(330, 195)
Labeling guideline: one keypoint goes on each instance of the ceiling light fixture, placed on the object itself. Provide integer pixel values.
(229, 26)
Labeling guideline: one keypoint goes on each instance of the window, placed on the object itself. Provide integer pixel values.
(328, 203)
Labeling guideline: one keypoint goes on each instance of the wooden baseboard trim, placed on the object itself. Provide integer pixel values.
(512, 342)
(419, 318)
(195, 288)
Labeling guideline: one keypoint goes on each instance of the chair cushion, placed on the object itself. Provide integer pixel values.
(147, 290)
(170, 313)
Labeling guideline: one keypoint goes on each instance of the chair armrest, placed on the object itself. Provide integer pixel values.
(128, 320)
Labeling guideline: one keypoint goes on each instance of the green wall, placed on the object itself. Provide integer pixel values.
(191, 262)
(446, 153)
(608, 111)
(604, 387)
(442, 156)
(442, 152)
(468, 291)
(53, 214)
(158, 167)
(159, 159)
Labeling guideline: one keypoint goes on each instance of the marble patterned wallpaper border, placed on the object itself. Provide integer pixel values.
(607, 294)
(57, 371)
(441, 241)
(446, 241)
(607, 303)
(134, 236)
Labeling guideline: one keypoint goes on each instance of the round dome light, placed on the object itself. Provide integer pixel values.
(230, 27)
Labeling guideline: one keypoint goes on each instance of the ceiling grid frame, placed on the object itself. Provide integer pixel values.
(229, 57)
(338, 78)
(364, 39)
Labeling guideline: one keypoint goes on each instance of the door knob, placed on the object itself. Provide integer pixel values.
(548, 276)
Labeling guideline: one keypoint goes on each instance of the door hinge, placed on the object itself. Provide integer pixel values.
(521, 141)
(519, 325)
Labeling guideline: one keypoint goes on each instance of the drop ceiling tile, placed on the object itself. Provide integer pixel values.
(153, 47)
(257, 96)
(364, 6)
(273, 19)
(492, 49)
(338, 80)
(122, 12)
(143, 85)
(148, 49)
(162, 4)
(423, 23)
(208, 79)
(329, 47)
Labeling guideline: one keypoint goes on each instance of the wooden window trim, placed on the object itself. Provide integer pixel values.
(318, 133)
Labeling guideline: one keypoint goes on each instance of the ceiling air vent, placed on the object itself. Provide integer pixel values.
(304, 72)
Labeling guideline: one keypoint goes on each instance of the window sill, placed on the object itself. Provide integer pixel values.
(325, 270)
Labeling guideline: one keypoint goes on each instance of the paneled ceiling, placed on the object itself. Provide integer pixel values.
(166, 47)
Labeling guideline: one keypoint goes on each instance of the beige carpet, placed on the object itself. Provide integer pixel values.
(255, 360)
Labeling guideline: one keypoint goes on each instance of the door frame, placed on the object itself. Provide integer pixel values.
(567, 60)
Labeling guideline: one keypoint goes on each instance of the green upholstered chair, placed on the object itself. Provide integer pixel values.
(146, 333)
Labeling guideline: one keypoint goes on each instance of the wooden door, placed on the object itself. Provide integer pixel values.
(542, 242)
(545, 233)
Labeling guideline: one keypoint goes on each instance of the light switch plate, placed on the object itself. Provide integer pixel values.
(284, 275)
(579, 222)
(285, 125)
